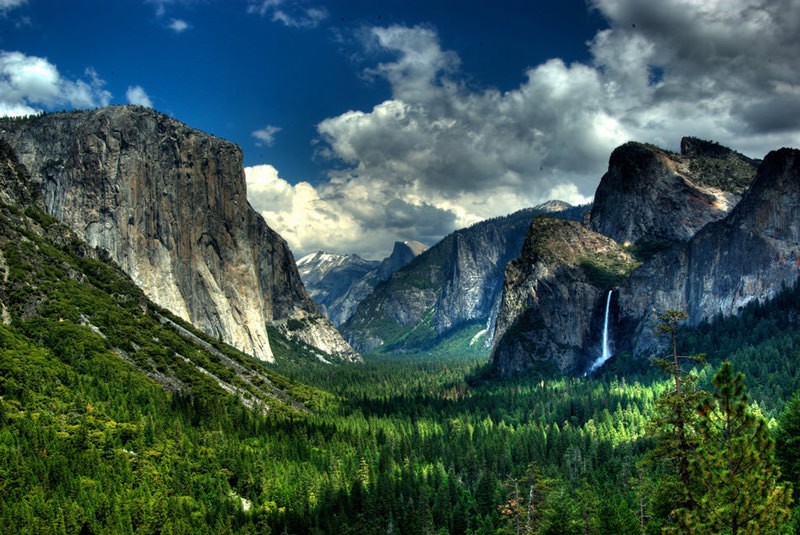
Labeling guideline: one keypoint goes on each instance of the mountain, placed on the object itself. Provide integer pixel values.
(66, 307)
(563, 268)
(695, 256)
(168, 204)
(651, 195)
(750, 256)
(338, 283)
(449, 292)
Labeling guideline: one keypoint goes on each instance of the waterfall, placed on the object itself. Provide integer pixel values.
(606, 352)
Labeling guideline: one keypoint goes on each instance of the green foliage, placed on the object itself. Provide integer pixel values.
(645, 249)
(40, 217)
(607, 271)
(108, 425)
(729, 174)
(735, 479)
(788, 440)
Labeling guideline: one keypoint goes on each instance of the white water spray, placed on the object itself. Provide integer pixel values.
(606, 354)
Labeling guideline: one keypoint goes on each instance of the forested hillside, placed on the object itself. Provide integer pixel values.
(407, 447)
(116, 417)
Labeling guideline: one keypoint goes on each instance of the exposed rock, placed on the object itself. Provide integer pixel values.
(338, 283)
(14, 181)
(554, 298)
(457, 283)
(749, 256)
(319, 333)
(711, 164)
(650, 195)
(403, 252)
(551, 313)
(169, 205)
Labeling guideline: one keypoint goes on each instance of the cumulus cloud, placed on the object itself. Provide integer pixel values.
(29, 83)
(291, 14)
(178, 25)
(439, 154)
(266, 136)
(137, 95)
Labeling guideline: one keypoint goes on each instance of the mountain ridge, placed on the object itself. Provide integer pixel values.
(454, 285)
(707, 264)
(169, 204)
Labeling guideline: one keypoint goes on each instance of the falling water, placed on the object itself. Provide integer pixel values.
(606, 344)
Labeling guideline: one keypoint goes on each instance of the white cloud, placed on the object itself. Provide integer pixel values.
(178, 25)
(306, 221)
(290, 14)
(6, 5)
(29, 83)
(266, 136)
(137, 95)
(439, 154)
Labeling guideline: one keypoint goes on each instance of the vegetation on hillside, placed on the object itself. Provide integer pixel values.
(116, 417)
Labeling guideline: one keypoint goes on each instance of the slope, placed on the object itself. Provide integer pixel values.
(447, 297)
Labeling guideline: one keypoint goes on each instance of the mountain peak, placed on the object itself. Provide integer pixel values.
(552, 206)
(654, 195)
(168, 203)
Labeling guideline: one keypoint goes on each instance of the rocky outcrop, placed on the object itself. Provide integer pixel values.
(551, 315)
(455, 284)
(338, 283)
(403, 253)
(168, 203)
(751, 255)
(652, 196)
(550, 318)
(14, 181)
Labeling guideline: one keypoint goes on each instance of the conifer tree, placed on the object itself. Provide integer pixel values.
(787, 445)
(736, 481)
(673, 422)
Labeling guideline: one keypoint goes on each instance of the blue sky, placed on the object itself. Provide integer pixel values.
(364, 122)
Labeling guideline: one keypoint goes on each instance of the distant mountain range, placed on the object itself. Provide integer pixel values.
(706, 231)
(338, 283)
(448, 295)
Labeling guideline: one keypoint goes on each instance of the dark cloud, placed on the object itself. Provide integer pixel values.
(439, 155)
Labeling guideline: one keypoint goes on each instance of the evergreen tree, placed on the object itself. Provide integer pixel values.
(672, 423)
(736, 479)
(787, 447)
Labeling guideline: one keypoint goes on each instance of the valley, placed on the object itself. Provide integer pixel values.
(163, 367)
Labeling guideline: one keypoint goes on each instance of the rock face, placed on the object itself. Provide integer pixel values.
(14, 180)
(169, 205)
(650, 195)
(708, 265)
(338, 283)
(749, 256)
(550, 318)
(455, 284)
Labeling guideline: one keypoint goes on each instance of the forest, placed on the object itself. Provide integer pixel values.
(401, 444)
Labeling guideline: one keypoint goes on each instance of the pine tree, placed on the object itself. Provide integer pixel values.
(787, 445)
(736, 480)
(673, 422)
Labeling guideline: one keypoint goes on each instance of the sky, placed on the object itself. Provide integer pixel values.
(365, 122)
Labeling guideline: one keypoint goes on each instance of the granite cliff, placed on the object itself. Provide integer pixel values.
(690, 232)
(74, 316)
(450, 291)
(564, 268)
(168, 204)
(651, 195)
(750, 255)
